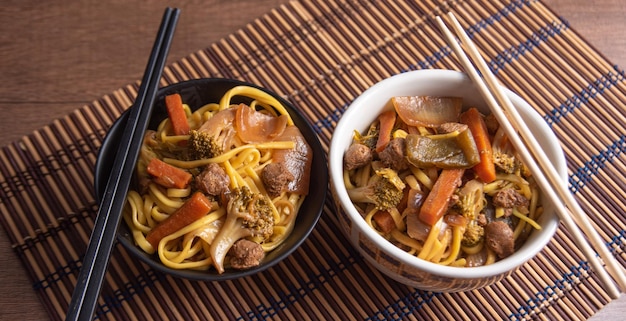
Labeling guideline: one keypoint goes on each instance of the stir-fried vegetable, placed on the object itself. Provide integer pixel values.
(427, 111)
(192, 210)
(386, 120)
(384, 190)
(452, 150)
(426, 180)
(167, 175)
(176, 113)
(485, 169)
(437, 201)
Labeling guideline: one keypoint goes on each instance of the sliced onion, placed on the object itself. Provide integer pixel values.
(256, 127)
(427, 111)
(415, 228)
(220, 121)
(455, 220)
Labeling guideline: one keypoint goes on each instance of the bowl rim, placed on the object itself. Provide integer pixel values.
(319, 163)
(338, 147)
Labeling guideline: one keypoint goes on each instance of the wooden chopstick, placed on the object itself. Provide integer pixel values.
(542, 169)
(96, 259)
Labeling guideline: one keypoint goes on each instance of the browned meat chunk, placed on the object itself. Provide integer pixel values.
(451, 127)
(356, 156)
(394, 155)
(509, 198)
(276, 178)
(499, 238)
(245, 254)
(213, 180)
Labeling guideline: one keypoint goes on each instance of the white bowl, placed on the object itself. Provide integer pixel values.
(385, 256)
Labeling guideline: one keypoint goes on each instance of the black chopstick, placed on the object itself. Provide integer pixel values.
(96, 259)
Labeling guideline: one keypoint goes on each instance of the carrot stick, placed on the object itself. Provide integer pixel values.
(387, 120)
(167, 175)
(485, 169)
(384, 221)
(178, 118)
(436, 202)
(192, 210)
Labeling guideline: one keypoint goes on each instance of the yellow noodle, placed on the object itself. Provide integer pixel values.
(533, 204)
(138, 218)
(169, 205)
(156, 215)
(526, 219)
(406, 240)
(346, 180)
(178, 192)
(368, 219)
(491, 257)
(412, 182)
(259, 96)
(436, 251)
(285, 208)
(455, 247)
(247, 157)
(519, 228)
(397, 219)
(235, 179)
(518, 180)
(138, 236)
(363, 175)
(459, 263)
(429, 243)
(132, 213)
(202, 114)
(439, 247)
(266, 156)
(255, 179)
(422, 177)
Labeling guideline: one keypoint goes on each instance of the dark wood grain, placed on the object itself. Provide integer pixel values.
(57, 57)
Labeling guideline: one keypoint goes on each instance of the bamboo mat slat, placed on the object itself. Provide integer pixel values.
(321, 56)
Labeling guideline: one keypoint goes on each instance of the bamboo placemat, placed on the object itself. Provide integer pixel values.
(321, 55)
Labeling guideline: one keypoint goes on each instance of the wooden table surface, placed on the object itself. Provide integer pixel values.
(56, 57)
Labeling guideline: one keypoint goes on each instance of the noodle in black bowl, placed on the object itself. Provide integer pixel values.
(196, 94)
(450, 259)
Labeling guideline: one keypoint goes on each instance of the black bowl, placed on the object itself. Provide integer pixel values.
(197, 93)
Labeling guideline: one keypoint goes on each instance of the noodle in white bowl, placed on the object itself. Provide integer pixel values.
(379, 251)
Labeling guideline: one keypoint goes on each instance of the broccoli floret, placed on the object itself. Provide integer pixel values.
(384, 191)
(473, 234)
(505, 162)
(248, 215)
(202, 145)
(470, 204)
(369, 139)
(471, 199)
